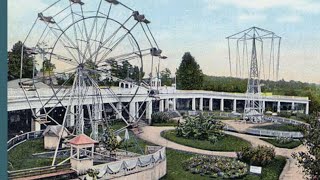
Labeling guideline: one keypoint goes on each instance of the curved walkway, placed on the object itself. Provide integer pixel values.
(291, 170)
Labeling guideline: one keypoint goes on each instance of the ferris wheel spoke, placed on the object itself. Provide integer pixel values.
(71, 44)
(104, 42)
(103, 32)
(75, 31)
(116, 44)
(63, 59)
(93, 27)
(87, 47)
(64, 45)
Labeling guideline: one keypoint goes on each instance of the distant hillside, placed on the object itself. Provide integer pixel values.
(287, 88)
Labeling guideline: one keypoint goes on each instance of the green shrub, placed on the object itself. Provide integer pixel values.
(258, 156)
(200, 127)
(284, 140)
(304, 117)
(285, 114)
(160, 117)
(214, 167)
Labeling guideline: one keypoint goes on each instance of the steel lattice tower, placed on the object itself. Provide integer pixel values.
(253, 105)
(253, 65)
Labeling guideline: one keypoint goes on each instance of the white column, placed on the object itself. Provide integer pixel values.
(193, 104)
(292, 106)
(149, 111)
(71, 116)
(278, 107)
(222, 105)
(35, 125)
(201, 104)
(174, 104)
(166, 105)
(264, 106)
(132, 111)
(119, 108)
(137, 110)
(235, 105)
(161, 105)
(210, 104)
(307, 108)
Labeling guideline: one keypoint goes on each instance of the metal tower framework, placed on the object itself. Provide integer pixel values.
(80, 41)
(256, 38)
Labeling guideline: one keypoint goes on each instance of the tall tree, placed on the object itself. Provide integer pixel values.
(166, 77)
(189, 75)
(14, 62)
(310, 161)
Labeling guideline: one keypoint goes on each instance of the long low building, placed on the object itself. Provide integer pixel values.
(138, 102)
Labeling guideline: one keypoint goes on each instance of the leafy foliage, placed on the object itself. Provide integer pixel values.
(214, 167)
(14, 63)
(287, 143)
(310, 161)
(110, 141)
(160, 117)
(93, 173)
(166, 79)
(201, 127)
(258, 156)
(189, 75)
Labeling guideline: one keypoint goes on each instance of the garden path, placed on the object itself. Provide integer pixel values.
(241, 126)
(290, 172)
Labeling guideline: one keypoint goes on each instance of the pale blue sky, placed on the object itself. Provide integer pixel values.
(200, 26)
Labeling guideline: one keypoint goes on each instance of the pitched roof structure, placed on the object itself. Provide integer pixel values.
(55, 130)
(82, 139)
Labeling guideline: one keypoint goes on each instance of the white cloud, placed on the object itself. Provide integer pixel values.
(252, 17)
(290, 19)
(310, 6)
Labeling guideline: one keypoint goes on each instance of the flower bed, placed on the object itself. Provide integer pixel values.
(214, 167)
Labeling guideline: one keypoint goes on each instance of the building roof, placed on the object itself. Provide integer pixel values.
(82, 139)
(55, 130)
(15, 83)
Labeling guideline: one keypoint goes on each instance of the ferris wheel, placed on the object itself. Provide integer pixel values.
(81, 48)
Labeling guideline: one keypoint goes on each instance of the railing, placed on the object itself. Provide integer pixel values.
(37, 171)
(23, 137)
(129, 166)
(284, 120)
(272, 133)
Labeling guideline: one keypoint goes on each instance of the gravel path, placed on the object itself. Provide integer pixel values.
(290, 172)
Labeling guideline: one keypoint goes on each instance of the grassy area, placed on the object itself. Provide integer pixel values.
(281, 127)
(175, 169)
(289, 145)
(21, 157)
(135, 144)
(271, 171)
(228, 143)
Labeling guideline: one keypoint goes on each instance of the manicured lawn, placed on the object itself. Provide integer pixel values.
(135, 144)
(228, 143)
(21, 156)
(280, 127)
(175, 169)
(270, 172)
(289, 145)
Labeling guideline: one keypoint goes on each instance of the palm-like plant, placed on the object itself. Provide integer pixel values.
(200, 127)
